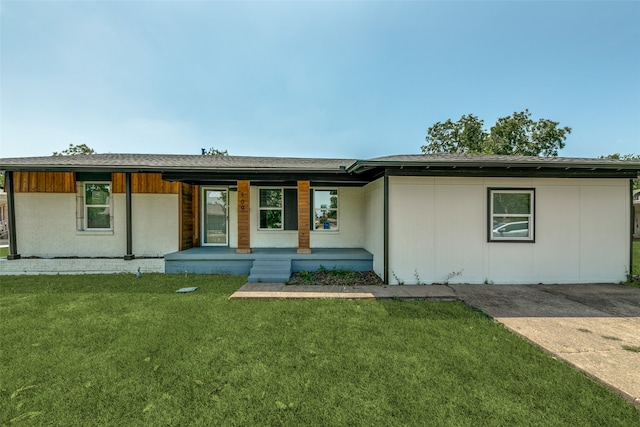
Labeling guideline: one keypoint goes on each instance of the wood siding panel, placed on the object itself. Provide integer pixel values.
(118, 183)
(304, 217)
(244, 230)
(44, 182)
(149, 183)
(186, 216)
(65, 182)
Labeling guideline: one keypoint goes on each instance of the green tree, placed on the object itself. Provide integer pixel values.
(517, 135)
(214, 152)
(75, 150)
(618, 156)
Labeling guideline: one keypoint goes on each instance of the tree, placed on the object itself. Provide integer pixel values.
(517, 135)
(75, 150)
(214, 152)
(618, 156)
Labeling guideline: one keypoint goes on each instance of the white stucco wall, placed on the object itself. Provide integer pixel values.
(438, 230)
(350, 223)
(374, 223)
(46, 226)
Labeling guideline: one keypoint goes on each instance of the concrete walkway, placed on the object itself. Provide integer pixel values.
(594, 328)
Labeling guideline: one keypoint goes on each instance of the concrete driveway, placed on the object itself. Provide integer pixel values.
(587, 326)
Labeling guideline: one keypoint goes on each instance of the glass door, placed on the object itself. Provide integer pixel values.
(214, 217)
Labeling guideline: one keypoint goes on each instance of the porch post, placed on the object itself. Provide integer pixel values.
(127, 203)
(11, 207)
(244, 229)
(304, 217)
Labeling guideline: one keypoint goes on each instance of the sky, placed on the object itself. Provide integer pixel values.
(341, 79)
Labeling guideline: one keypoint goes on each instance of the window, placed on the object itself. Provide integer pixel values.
(97, 206)
(511, 214)
(325, 210)
(271, 208)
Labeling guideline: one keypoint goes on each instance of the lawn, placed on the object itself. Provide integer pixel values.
(116, 350)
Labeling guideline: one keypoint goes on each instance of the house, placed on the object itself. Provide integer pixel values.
(410, 218)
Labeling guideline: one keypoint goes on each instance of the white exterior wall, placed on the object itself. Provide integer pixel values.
(350, 223)
(155, 221)
(439, 226)
(374, 223)
(49, 230)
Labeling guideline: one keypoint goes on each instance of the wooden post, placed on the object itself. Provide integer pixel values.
(244, 232)
(304, 217)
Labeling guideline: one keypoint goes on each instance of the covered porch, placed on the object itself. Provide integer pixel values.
(265, 264)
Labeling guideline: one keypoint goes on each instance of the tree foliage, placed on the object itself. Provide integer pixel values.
(618, 156)
(75, 150)
(517, 135)
(214, 152)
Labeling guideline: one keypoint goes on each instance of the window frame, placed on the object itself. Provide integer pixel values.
(86, 206)
(531, 216)
(329, 209)
(267, 208)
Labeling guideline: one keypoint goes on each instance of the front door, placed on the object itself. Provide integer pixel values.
(214, 217)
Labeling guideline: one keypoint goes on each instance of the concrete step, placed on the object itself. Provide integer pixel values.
(270, 271)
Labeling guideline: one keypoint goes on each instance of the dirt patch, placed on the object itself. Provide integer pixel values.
(335, 278)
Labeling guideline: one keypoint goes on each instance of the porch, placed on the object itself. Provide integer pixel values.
(265, 264)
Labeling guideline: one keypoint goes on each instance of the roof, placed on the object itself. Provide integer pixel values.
(169, 162)
(488, 160)
(195, 168)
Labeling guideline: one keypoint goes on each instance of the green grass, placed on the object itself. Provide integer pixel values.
(112, 350)
(4, 252)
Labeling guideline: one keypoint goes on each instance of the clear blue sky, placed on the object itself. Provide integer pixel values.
(311, 79)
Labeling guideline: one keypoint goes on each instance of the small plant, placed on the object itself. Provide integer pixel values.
(306, 276)
(584, 330)
(633, 348)
(415, 274)
(395, 276)
(451, 276)
(609, 337)
(487, 282)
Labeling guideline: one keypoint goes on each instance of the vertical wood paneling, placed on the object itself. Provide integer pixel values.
(150, 183)
(44, 182)
(244, 233)
(304, 217)
(186, 216)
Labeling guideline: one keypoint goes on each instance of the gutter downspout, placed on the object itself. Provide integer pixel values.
(11, 207)
(386, 227)
(129, 255)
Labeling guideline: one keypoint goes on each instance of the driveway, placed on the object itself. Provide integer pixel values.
(587, 326)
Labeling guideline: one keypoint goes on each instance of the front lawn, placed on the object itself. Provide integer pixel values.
(116, 350)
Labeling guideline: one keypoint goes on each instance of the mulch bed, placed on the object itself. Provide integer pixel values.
(335, 278)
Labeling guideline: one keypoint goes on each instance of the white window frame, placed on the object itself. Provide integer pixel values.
(336, 210)
(530, 217)
(86, 206)
(267, 208)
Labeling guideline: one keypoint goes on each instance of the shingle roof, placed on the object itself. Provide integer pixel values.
(171, 162)
(204, 163)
